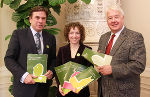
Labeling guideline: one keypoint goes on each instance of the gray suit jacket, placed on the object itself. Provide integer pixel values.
(128, 62)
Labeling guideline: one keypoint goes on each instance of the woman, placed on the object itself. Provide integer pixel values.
(75, 34)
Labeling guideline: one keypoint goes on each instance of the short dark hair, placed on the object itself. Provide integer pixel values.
(73, 25)
(38, 8)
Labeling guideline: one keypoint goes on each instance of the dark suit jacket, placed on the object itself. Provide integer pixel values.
(128, 62)
(64, 55)
(21, 44)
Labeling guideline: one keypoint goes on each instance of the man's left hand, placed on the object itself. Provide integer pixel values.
(49, 74)
(105, 70)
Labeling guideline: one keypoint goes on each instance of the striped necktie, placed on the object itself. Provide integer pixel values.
(38, 43)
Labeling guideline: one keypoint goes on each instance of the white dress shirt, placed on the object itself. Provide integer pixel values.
(116, 36)
(42, 48)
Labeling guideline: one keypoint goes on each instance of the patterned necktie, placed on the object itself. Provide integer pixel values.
(108, 48)
(38, 43)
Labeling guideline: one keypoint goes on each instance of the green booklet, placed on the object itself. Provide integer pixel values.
(73, 70)
(84, 78)
(61, 72)
(37, 65)
(74, 77)
(96, 58)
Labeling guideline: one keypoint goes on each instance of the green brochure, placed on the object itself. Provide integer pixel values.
(73, 70)
(96, 58)
(84, 78)
(37, 65)
(74, 77)
(61, 72)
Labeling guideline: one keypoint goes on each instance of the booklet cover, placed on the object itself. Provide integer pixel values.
(84, 78)
(37, 65)
(96, 58)
(74, 77)
(61, 72)
(73, 70)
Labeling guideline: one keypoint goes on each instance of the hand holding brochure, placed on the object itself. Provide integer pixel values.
(96, 58)
(37, 65)
(73, 70)
(61, 72)
(65, 71)
(75, 76)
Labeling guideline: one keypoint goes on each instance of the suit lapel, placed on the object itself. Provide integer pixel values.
(44, 42)
(31, 41)
(103, 50)
(119, 41)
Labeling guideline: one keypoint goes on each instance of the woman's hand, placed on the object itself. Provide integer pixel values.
(61, 91)
(49, 74)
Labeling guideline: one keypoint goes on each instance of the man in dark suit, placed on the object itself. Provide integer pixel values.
(121, 78)
(23, 42)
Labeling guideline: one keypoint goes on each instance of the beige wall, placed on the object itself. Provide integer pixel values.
(6, 27)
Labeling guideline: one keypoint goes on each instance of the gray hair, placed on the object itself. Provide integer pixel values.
(115, 7)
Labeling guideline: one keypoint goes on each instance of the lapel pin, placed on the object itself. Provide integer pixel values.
(78, 54)
(47, 46)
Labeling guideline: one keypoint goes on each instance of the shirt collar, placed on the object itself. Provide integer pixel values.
(34, 32)
(118, 33)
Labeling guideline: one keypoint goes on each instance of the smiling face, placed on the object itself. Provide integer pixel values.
(115, 20)
(74, 35)
(38, 20)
